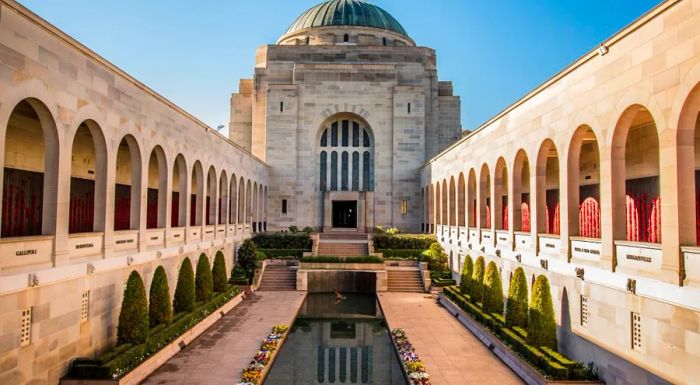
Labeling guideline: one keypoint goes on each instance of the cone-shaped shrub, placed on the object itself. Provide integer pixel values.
(203, 283)
(159, 308)
(541, 328)
(465, 282)
(477, 290)
(218, 273)
(133, 317)
(493, 290)
(516, 308)
(184, 291)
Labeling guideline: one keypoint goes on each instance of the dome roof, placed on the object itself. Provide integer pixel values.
(346, 13)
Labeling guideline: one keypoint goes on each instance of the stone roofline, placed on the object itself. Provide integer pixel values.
(602, 49)
(65, 38)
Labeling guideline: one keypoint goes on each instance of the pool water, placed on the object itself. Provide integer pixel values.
(337, 342)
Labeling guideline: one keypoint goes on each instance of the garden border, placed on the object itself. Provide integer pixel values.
(521, 368)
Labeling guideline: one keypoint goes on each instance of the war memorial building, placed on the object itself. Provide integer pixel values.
(591, 179)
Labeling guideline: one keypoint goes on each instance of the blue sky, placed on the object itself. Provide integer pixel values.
(194, 52)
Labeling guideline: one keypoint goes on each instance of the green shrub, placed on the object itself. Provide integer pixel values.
(203, 281)
(246, 257)
(465, 282)
(379, 230)
(541, 327)
(336, 259)
(283, 241)
(133, 316)
(493, 290)
(218, 273)
(477, 290)
(282, 253)
(401, 254)
(516, 308)
(160, 309)
(293, 229)
(436, 257)
(392, 231)
(184, 291)
(308, 230)
(403, 241)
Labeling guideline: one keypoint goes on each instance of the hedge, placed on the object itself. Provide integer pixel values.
(550, 363)
(493, 290)
(541, 327)
(184, 291)
(300, 241)
(125, 357)
(516, 308)
(403, 241)
(477, 291)
(203, 281)
(401, 254)
(282, 253)
(218, 273)
(133, 316)
(336, 259)
(160, 310)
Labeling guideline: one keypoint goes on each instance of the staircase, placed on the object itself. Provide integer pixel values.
(343, 244)
(278, 278)
(405, 280)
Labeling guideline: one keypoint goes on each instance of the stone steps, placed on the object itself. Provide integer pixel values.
(278, 278)
(405, 281)
(343, 249)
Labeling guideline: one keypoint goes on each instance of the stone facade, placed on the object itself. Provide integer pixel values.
(69, 118)
(316, 75)
(618, 126)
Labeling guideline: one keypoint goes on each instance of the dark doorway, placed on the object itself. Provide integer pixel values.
(345, 214)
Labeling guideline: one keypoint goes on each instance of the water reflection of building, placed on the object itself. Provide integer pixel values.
(341, 342)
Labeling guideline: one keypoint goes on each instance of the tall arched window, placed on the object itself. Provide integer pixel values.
(351, 141)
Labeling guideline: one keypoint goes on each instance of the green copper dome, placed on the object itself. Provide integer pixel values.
(347, 12)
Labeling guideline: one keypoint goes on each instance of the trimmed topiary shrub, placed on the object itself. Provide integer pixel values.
(541, 327)
(465, 282)
(184, 291)
(218, 273)
(133, 316)
(160, 310)
(436, 257)
(493, 290)
(516, 308)
(203, 282)
(247, 257)
(477, 289)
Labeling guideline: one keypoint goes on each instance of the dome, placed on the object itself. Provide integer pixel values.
(346, 13)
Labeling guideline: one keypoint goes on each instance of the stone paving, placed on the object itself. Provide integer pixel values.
(218, 356)
(452, 355)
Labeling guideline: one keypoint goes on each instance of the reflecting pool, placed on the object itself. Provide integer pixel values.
(337, 342)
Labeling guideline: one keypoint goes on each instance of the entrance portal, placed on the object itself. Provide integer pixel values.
(345, 214)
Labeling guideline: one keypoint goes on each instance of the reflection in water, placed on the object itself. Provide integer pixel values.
(337, 342)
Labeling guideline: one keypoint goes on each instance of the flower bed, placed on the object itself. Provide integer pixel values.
(255, 373)
(549, 363)
(122, 359)
(409, 359)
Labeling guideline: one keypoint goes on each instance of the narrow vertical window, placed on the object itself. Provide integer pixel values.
(355, 134)
(355, 171)
(383, 41)
(334, 134)
(346, 38)
(365, 138)
(409, 108)
(284, 206)
(345, 133)
(365, 172)
(584, 311)
(323, 167)
(324, 138)
(344, 171)
(404, 207)
(281, 106)
(334, 171)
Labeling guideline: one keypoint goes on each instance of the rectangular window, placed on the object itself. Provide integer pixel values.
(26, 327)
(281, 106)
(404, 207)
(584, 311)
(284, 206)
(84, 306)
(636, 331)
(409, 108)
(345, 134)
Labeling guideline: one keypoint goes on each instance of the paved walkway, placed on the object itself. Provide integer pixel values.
(218, 356)
(452, 355)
